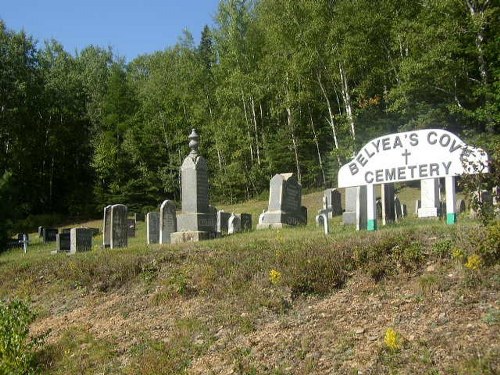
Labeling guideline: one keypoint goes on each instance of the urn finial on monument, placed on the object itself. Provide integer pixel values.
(193, 143)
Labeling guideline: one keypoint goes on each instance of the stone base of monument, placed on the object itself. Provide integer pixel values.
(197, 222)
(349, 218)
(279, 219)
(428, 212)
(190, 236)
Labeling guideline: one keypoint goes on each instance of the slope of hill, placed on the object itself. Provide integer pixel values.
(290, 301)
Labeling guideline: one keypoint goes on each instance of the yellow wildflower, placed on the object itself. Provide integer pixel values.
(474, 262)
(457, 254)
(392, 339)
(274, 277)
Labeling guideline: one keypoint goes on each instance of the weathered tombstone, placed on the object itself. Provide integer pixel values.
(40, 231)
(168, 221)
(361, 209)
(417, 206)
(222, 219)
(131, 227)
(106, 227)
(398, 209)
(153, 227)
(429, 193)
(261, 217)
(322, 221)
(246, 222)
(233, 224)
(349, 215)
(284, 208)
(23, 236)
(119, 226)
(63, 242)
(379, 209)
(332, 202)
(49, 234)
(388, 210)
(460, 206)
(81, 240)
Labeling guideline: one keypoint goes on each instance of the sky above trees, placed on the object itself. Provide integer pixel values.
(130, 27)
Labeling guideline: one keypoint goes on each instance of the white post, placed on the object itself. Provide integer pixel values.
(371, 208)
(451, 216)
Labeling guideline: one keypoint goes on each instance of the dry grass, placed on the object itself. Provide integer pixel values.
(211, 307)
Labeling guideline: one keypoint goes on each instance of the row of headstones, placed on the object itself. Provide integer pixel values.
(160, 225)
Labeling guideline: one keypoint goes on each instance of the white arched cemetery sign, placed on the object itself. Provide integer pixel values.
(415, 155)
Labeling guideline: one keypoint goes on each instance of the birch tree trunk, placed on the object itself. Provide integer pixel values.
(347, 100)
(257, 146)
(330, 112)
(478, 19)
(320, 159)
(289, 119)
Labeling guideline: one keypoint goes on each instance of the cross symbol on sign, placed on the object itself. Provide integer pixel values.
(406, 154)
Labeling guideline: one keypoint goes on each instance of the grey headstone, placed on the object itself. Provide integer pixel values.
(246, 222)
(49, 234)
(398, 209)
(322, 221)
(388, 210)
(222, 219)
(417, 206)
(119, 226)
(131, 227)
(153, 227)
(81, 240)
(63, 242)
(168, 221)
(378, 206)
(284, 206)
(332, 202)
(40, 231)
(233, 224)
(361, 208)
(460, 206)
(349, 215)
(106, 227)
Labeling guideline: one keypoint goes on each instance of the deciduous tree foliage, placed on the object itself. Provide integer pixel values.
(274, 86)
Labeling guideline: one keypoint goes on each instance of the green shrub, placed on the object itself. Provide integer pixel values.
(17, 348)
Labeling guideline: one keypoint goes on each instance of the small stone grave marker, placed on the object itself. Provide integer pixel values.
(152, 227)
(81, 240)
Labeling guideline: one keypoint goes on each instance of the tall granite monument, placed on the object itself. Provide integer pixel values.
(196, 221)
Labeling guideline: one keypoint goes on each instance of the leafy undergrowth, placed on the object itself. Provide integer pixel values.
(420, 299)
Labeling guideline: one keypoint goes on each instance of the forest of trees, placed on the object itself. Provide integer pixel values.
(275, 86)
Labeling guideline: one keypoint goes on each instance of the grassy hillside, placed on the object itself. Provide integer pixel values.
(289, 301)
